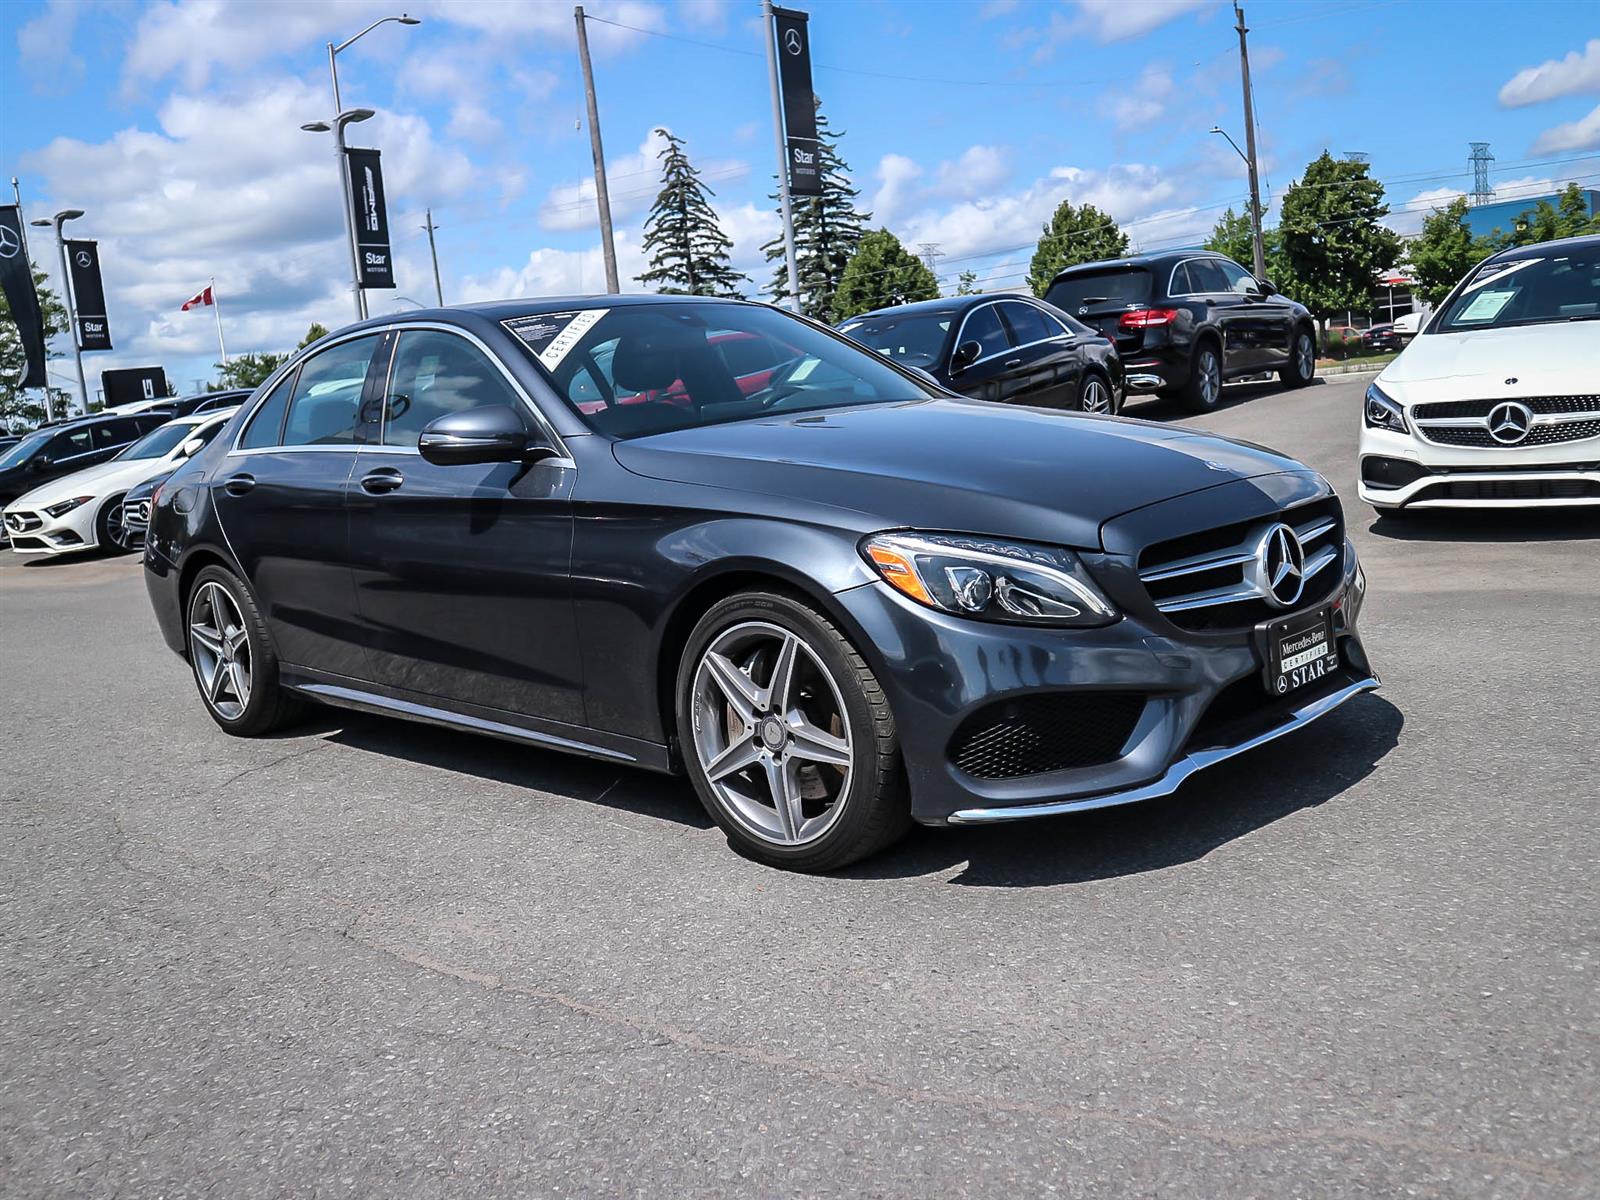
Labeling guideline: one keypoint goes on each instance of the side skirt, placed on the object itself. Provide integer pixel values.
(364, 696)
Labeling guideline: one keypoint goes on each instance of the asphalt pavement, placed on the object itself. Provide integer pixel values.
(375, 959)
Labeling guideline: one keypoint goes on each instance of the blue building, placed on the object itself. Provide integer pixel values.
(1503, 214)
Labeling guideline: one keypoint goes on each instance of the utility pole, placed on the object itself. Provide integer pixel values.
(771, 19)
(438, 288)
(602, 194)
(1250, 147)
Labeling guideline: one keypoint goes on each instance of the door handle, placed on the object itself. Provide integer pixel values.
(238, 485)
(1015, 362)
(384, 479)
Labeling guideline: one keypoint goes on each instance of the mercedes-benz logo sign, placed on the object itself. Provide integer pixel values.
(1279, 570)
(84, 259)
(9, 245)
(1083, 309)
(791, 41)
(1509, 422)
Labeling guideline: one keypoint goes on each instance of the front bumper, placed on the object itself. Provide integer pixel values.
(33, 531)
(1197, 702)
(1401, 471)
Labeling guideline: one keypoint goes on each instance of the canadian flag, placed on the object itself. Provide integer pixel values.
(205, 297)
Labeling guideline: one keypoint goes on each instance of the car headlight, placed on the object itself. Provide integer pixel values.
(1378, 411)
(991, 579)
(66, 506)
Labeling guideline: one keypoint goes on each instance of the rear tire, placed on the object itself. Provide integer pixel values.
(1301, 368)
(807, 759)
(1203, 392)
(231, 655)
(1096, 395)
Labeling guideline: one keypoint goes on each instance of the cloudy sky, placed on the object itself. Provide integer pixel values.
(175, 125)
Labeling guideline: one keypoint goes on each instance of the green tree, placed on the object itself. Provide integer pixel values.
(1074, 235)
(967, 284)
(247, 370)
(316, 333)
(17, 407)
(880, 274)
(1334, 243)
(1232, 236)
(827, 230)
(1444, 251)
(688, 250)
(1568, 217)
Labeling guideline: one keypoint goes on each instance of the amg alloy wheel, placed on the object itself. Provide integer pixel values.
(110, 529)
(1302, 365)
(1205, 380)
(234, 665)
(1096, 396)
(787, 736)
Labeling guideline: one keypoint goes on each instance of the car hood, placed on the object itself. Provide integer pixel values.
(956, 464)
(1523, 360)
(99, 480)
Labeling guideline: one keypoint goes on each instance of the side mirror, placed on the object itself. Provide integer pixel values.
(495, 433)
(966, 354)
(193, 446)
(1268, 288)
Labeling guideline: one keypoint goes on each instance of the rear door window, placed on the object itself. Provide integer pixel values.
(267, 422)
(113, 434)
(1239, 280)
(983, 326)
(325, 409)
(70, 444)
(1205, 275)
(1027, 322)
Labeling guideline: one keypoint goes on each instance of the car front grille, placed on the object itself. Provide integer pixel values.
(1510, 489)
(137, 513)
(1556, 419)
(1203, 582)
(1033, 735)
(23, 522)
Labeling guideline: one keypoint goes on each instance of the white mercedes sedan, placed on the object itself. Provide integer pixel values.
(83, 511)
(1497, 402)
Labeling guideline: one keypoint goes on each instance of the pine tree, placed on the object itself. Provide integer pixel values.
(880, 274)
(688, 250)
(827, 230)
(1074, 235)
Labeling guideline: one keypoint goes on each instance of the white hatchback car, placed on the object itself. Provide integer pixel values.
(1497, 402)
(84, 510)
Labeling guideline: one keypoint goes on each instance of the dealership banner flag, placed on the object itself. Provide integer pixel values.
(88, 296)
(374, 263)
(799, 102)
(16, 279)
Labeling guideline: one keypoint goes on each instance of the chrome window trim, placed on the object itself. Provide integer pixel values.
(1184, 263)
(1066, 335)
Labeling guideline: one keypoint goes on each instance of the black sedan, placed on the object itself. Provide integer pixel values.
(838, 597)
(1009, 348)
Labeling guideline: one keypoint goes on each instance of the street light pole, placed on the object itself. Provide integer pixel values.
(438, 288)
(1259, 251)
(56, 222)
(338, 144)
(1250, 143)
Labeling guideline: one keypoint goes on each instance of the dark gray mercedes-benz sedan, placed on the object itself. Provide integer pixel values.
(709, 536)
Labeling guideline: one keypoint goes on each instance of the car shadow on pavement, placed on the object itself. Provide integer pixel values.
(1144, 406)
(1489, 525)
(1223, 804)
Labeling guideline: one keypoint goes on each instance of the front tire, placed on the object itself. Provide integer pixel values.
(787, 736)
(231, 655)
(1302, 365)
(110, 532)
(1204, 389)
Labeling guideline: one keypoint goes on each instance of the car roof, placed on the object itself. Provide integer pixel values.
(1588, 241)
(946, 304)
(1153, 259)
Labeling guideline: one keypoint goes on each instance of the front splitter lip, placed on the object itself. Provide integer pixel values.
(1189, 764)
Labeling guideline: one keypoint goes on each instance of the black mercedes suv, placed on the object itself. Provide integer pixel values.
(1185, 322)
(838, 596)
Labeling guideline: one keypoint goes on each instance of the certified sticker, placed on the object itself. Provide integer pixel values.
(551, 336)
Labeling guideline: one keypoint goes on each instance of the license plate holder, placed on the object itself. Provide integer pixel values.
(1298, 650)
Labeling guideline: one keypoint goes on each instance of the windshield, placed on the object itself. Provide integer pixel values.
(1100, 289)
(640, 369)
(23, 450)
(1533, 290)
(916, 339)
(158, 442)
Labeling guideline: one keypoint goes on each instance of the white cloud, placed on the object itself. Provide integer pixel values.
(996, 8)
(897, 187)
(1582, 134)
(1114, 20)
(1406, 219)
(1577, 73)
(44, 45)
(633, 181)
(978, 171)
(1142, 104)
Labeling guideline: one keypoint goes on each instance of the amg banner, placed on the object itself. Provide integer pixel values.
(16, 279)
(374, 263)
(88, 296)
(799, 103)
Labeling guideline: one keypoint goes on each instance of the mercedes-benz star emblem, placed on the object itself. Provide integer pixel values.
(791, 41)
(1082, 309)
(84, 259)
(1509, 422)
(1279, 569)
(9, 245)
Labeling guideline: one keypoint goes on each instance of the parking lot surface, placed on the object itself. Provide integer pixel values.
(377, 959)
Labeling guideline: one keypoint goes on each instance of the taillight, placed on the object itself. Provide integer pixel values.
(1146, 318)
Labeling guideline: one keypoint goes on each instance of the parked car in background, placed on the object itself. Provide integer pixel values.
(203, 402)
(1497, 403)
(842, 602)
(1185, 322)
(83, 510)
(58, 449)
(136, 510)
(1008, 348)
(1380, 339)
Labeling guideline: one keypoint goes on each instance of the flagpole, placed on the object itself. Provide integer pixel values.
(217, 304)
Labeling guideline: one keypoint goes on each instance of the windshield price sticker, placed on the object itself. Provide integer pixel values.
(1486, 306)
(551, 336)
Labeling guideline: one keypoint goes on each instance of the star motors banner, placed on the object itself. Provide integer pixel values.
(374, 263)
(799, 102)
(88, 296)
(16, 279)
